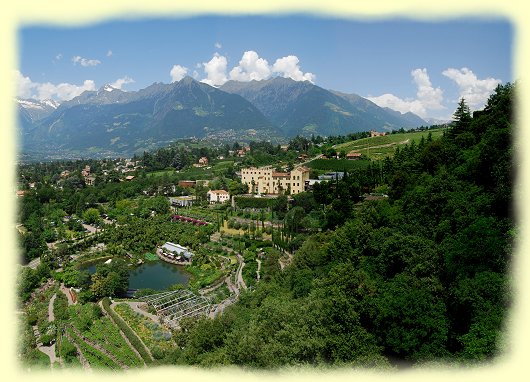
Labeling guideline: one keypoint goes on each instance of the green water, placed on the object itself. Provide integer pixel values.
(154, 275)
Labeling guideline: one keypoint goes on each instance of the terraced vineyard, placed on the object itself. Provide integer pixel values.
(95, 358)
(100, 340)
(381, 147)
(108, 336)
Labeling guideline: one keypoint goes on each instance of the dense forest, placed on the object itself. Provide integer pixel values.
(418, 276)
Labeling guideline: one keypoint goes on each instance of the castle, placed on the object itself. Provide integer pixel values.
(265, 180)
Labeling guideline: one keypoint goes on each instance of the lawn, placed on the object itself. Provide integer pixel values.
(222, 165)
(160, 173)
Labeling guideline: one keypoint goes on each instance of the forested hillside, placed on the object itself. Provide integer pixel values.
(418, 276)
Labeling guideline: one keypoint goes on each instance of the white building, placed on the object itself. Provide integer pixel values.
(217, 196)
(175, 251)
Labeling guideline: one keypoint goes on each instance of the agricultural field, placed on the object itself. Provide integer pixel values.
(194, 173)
(382, 147)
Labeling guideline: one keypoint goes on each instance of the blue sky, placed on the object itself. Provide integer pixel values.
(423, 67)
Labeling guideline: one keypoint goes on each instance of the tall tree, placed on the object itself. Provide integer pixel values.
(461, 118)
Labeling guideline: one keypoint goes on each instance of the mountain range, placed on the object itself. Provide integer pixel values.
(117, 121)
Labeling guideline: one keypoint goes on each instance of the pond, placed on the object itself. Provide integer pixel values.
(153, 274)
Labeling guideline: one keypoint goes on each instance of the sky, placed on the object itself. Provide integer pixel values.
(423, 67)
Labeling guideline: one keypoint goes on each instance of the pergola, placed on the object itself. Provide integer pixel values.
(173, 306)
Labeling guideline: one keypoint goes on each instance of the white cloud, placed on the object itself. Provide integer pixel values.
(195, 74)
(289, 67)
(63, 91)
(84, 61)
(59, 56)
(24, 85)
(430, 98)
(427, 97)
(215, 70)
(251, 67)
(109, 53)
(401, 105)
(475, 91)
(218, 45)
(118, 84)
(26, 88)
(178, 72)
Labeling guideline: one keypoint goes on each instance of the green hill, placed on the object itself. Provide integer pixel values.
(381, 147)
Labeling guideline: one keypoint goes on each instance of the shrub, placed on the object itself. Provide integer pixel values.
(47, 339)
(68, 350)
(32, 318)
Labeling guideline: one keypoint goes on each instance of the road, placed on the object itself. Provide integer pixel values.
(259, 268)
(309, 160)
(66, 291)
(240, 281)
(91, 229)
(49, 350)
(51, 317)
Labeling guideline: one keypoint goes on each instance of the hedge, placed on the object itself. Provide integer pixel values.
(246, 202)
(129, 333)
(338, 164)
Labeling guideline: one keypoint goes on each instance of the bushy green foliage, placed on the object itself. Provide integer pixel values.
(418, 276)
(144, 235)
(110, 279)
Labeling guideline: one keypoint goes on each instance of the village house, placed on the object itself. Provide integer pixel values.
(265, 180)
(217, 196)
(86, 171)
(376, 134)
(65, 174)
(203, 161)
(353, 155)
(89, 180)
